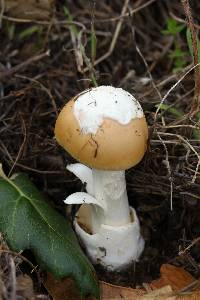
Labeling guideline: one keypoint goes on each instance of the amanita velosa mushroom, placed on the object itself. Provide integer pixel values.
(105, 129)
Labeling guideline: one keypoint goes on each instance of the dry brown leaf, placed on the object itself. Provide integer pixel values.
(172, 280)
(190, 296)
(25, 287)
(65, 289)
(2, 287)
(114, 292)
(176, 277)
(29, 9)
(164, 293)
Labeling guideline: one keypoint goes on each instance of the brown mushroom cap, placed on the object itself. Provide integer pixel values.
(113, 147)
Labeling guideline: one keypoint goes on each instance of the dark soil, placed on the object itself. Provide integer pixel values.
(165, 187)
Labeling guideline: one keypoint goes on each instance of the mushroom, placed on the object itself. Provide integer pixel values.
(104, 128)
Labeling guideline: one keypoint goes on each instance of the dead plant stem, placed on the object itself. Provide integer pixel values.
(196, 99)
(114, 39)
(9, 72)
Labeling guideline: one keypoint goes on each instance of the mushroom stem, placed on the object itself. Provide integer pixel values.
(110, 192)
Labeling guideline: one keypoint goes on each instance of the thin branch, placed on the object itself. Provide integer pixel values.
(196, 99)
(114, 39)
(132, 12)
(9, 72)
(172, 88)
(2, 11)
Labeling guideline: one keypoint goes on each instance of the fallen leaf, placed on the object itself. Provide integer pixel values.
(29, 9)
(2, 287)
(114, 292)
(176, 277)
(25, 287)
(29, 222)
(164, 293)
(65, 289)
(190, 296)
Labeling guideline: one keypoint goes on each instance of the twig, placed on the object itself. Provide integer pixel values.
(46, 23)
(21, 147)
(196, 99)
(2, 11)
(168, 169)
(44, 88)
(190, 147)
(9, 72)
(145, 63)
(64, 22)
(12, 295)
(131, 13)
(172, 88)
(114, 39)
(181, 20)
(194, 242)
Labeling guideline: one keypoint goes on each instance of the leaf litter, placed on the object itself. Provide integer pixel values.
(164, 187)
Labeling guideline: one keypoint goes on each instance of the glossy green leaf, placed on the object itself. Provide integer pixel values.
(28, 222)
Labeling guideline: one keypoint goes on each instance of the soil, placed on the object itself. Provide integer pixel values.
(164, 187)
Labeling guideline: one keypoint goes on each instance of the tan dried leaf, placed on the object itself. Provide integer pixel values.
(173, 279)
(176, 277)
(25, 287)
(190, 296)
(65, 289)
(29, 9)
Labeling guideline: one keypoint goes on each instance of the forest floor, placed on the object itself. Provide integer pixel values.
(141, 46)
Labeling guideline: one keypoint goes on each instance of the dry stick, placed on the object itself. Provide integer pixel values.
(181, 20)
(45, 23)
(189, 147)
(21, 147)
(2, 11)
(12, 295)
(172, 88)
(196, 99)
(44, 88)
(64, 22)
(160, 96)
(132, 12)
(9, 72)
(168, 170)
(194, 242)
(114, 39)
(26, 167)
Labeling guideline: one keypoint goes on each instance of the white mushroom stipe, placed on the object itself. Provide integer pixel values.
(105, 128)
(92, 106)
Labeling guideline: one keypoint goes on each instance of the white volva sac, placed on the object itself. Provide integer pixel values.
(113, 235)
(104, 128)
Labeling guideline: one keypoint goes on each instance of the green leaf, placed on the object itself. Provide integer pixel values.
(189, 42)
(29, 31)
(70, 19)
(93, 41)
(177, 53)
(173, 27)
(172, 110)
(28, 222)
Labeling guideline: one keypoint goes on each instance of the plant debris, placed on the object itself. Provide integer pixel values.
(130, 52)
